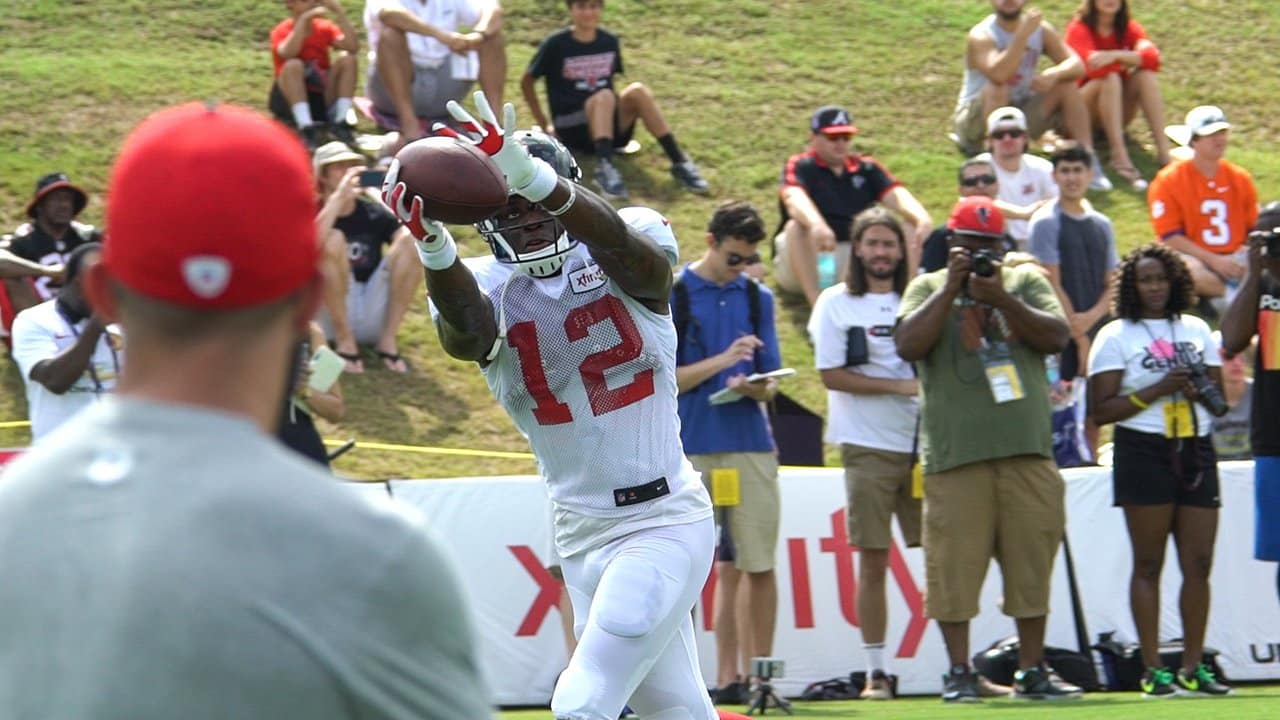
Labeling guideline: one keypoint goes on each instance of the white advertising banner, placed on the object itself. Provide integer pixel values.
(499, 531)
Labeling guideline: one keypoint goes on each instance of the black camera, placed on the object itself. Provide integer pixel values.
(1209, 394)
(856, 350)
(983, 263)
(1271, 238)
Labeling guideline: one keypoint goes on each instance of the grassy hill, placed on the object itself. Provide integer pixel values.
(738, 81)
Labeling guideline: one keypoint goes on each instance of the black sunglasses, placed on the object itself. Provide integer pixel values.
(976, 180)
(1002, 134)
(735, 259)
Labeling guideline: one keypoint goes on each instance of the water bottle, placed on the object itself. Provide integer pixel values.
(1051, 370)
(826, 270)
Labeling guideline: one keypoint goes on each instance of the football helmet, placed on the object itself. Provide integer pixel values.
(521, 224)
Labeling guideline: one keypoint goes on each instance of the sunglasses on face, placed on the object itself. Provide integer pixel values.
(1002, 134)
(734, 259)
(839, 137)
(976, 180)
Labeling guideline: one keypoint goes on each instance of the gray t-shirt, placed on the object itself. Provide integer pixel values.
(1083, 248)
(164, 561)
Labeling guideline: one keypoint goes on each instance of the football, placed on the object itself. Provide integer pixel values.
(457, 182)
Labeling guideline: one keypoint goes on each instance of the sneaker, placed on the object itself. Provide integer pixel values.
(344, 134)
(686, 173)
(735, 693)
(989, 689)
(312, 136)
(609, 180)
(960, 687)
(1099, 181)
(1202, 682)
(1038, 683)
(878, 687)
(1157, 683)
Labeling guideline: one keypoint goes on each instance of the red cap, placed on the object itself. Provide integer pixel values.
(211, 207)
(977, 215)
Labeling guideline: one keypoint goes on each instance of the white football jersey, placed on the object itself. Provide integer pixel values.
(588, 375)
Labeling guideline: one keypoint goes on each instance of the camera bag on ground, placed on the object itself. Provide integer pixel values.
(1123, 667)
(999, 662)
(843, 688)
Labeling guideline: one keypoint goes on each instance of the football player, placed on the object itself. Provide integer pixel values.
(569, 323)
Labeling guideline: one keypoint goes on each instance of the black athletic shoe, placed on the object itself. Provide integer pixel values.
(609, 180)
(1201, 682)
(1157, 683)
(686, 173)
(1038, 683)
(312, 136)
(344, 134)
(735, 693)
(960, 687)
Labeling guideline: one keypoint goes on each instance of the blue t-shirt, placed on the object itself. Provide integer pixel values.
(718, 315)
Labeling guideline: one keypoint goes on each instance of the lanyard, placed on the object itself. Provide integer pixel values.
(98, 389)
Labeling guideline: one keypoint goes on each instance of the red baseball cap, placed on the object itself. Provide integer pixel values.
(977, 215)
(213, 207)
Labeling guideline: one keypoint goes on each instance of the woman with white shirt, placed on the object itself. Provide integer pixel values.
(1141, 377)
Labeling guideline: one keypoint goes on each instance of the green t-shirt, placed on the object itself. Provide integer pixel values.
(960, 420)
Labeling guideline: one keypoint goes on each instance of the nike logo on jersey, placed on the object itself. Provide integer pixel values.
(586, 279)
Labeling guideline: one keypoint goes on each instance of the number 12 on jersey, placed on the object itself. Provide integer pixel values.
(549, 410)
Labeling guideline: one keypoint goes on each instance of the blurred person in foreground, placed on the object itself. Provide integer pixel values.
(979, 332)
(1152, 371)
(163, 551)
(1255, 312)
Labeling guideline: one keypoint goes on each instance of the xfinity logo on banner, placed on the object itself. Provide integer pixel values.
(840, 563)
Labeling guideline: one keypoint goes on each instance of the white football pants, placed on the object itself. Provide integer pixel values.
(632, 600)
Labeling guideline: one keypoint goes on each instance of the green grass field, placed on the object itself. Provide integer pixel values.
(1250, 703)
(738, 81)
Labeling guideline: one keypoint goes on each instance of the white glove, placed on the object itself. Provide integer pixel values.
(527, 176)
(436, 248)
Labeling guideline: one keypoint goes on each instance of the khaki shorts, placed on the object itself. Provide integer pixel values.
(878, 485)
(753, 523)
(782, 273)
(971, 124)
(1011, 509)
(366, 306)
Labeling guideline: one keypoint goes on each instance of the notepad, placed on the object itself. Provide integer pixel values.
(726, 395)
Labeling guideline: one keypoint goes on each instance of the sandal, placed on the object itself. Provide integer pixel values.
(1131, 176)
(393, 361)
(353, 363)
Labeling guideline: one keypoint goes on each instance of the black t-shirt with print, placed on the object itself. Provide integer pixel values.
(368, 228)
(574, 71)
(31, 242)
(1266, 373)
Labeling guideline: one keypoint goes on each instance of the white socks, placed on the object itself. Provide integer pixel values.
(302, 115)
(875, 657)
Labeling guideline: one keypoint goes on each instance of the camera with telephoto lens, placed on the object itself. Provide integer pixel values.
(1271, 239)
(1209, 394)
(983, 263)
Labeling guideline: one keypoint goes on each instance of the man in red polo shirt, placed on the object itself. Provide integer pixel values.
(822, 189)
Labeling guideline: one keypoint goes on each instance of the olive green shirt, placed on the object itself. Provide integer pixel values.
(961, 422)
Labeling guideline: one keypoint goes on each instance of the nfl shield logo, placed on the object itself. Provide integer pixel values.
(206, 275)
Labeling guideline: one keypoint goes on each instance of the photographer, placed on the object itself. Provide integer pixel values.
(1256, 311)
(978, 333)
(1147, 370)
(367, 290)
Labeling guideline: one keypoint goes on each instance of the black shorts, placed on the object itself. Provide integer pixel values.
(279, 106)
(1144, 472)
(578, 137)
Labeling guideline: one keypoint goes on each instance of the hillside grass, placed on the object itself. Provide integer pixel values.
(737, 81)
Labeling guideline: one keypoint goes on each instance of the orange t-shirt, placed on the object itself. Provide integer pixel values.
(1215, 214)
(315, 47)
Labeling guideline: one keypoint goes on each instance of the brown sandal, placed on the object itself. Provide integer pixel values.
(1131, 176)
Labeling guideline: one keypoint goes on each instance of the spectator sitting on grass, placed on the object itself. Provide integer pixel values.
(310, 88)
(367, 290)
